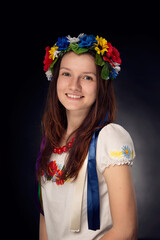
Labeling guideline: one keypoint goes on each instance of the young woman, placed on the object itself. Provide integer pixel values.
(85, 186)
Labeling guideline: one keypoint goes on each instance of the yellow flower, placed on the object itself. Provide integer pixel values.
(116, 154)
(101, 45)
(52, 51)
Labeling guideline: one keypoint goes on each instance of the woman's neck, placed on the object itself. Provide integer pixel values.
(74, 120)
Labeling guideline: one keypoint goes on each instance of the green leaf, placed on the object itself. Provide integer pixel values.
(80, 50)
(99, 60)
(52, 65)
(105, 72)
(73, 46)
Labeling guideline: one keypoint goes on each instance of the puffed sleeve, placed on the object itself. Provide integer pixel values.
(114, 147)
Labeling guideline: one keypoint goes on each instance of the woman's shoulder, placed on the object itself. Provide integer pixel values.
(114, 146)
(114, 131)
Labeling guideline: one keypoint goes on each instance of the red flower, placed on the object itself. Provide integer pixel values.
(58, 180)
(105, 58)
(47, 61)
(113, 54)
(52, 168)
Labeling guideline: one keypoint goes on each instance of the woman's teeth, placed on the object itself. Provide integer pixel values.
(73, 96)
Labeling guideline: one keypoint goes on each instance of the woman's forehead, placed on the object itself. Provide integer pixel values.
(82, 62)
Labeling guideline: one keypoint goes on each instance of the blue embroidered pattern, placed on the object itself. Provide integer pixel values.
(125, 153)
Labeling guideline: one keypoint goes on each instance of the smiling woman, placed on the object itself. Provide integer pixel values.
(83, 164)
(70, 78)
(76, 88)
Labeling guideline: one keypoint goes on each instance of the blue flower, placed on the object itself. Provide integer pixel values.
(126, 152)
(113, 74)
(87, 41)
(62, 43)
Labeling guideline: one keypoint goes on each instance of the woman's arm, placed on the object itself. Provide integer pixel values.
(42, 229)
(122, 203)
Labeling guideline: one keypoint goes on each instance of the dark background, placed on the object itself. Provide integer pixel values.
(133, 31)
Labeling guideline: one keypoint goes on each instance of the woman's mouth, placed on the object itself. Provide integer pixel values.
(73, 96)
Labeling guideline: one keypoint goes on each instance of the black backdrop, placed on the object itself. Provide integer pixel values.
(137, 89)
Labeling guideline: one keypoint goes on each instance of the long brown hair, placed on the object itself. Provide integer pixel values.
(54, 124)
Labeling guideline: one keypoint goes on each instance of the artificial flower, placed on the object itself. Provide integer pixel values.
(56, 53)
(87, 41)
(52, 52)
(113, 54)
(101, 46)
(74, 39)
(113, 74)
(49, 74)
(106, 57)
(62, 43)
(47, 60)
(117, 67)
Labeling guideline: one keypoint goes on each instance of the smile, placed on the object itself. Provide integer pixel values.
(73, 96)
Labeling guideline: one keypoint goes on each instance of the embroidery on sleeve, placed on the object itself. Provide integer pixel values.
(125, 156)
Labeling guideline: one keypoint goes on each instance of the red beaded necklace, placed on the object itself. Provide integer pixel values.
(64, 149)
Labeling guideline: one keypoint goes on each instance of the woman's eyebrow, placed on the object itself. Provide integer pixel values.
(65, 68)
(83, 72)
(89, 73)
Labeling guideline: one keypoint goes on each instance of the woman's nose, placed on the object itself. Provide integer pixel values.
(75, 84)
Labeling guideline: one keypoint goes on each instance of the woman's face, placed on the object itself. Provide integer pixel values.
(77, 82)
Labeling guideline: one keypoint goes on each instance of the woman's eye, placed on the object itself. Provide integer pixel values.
(88, 78)
(66, 74)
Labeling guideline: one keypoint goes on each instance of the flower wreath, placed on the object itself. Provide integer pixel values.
(107, 56)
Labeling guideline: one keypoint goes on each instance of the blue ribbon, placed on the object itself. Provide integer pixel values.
(93, 202)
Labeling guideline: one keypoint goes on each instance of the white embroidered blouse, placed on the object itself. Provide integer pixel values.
(114, 147)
